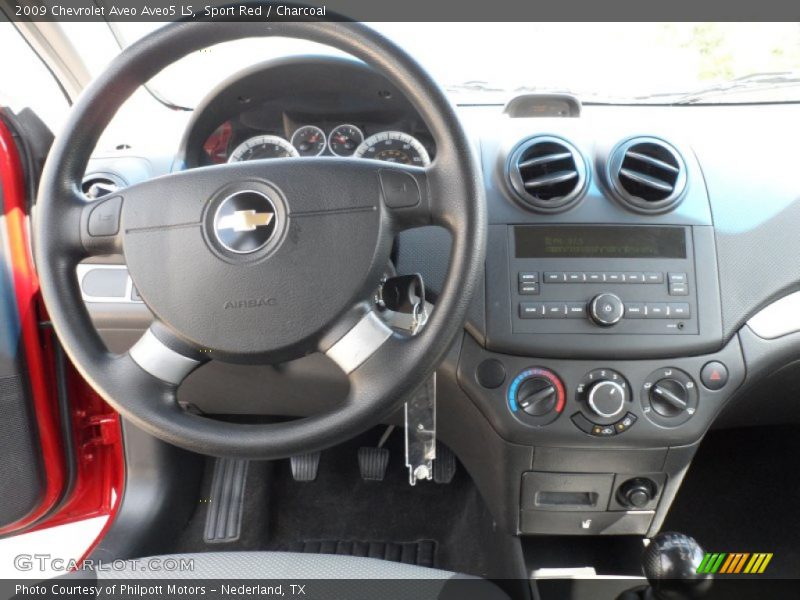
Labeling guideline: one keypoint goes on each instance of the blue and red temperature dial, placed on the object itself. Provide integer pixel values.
(537, 396)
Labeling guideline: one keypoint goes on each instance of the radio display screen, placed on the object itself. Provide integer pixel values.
(599, 241)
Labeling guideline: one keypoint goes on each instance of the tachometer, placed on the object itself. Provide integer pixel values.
(262, 146)
(309, 140)
(344, 139)
(396, 147)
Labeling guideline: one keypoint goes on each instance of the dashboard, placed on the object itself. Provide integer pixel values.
(641, 281)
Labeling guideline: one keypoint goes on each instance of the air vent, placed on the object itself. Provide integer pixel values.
(547, 173)
(97, 185)
(647, 174)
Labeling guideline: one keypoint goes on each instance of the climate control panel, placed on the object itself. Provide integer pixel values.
(613, 404)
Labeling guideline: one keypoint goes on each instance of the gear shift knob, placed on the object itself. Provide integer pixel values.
(670, 564)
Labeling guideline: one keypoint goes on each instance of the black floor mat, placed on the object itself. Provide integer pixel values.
(742, 494)
(421, 553)
(442, 526)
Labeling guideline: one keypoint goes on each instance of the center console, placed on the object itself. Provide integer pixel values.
(603, 349)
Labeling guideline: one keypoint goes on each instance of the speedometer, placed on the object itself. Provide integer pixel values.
(262, 146)
(396, 147)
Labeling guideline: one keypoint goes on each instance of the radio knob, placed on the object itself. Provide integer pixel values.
(606, 309)
(607, 399)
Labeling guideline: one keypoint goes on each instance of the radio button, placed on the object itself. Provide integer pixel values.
(656, 310)
(615, 277)
(553, 310)
(678, 278)
(528, 289)
(576, 277)
(595, 277)
(531, 310)
(555, 277)
(576, 310)
(654, 278)
(528, 277)
(634, 277)
(679, 310)
(678, 289)
(635, 310)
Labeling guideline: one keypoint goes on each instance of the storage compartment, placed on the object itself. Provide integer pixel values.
(566, 491)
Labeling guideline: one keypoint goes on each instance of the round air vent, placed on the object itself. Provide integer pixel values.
(97, 185)
(647, 174)
(547, 173)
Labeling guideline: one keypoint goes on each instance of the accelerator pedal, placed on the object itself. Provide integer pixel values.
(224, 516)
(444, 467)
(305, 466)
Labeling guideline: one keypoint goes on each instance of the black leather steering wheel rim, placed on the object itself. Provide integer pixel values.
(401, 364)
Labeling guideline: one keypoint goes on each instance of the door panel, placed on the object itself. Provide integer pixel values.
(32, 468)
(60, 447)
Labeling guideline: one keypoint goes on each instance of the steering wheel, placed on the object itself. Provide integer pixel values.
(258, 262)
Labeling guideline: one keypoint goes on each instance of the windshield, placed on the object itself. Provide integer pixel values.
(598, 62)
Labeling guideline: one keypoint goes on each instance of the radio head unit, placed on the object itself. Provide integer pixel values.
(593, 281)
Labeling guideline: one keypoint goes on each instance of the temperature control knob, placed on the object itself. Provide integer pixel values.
(606, 309)
(536, 396)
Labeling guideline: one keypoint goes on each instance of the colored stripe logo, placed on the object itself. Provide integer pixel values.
(734, 563)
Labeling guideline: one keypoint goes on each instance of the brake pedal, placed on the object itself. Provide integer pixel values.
(224, 516)
(305, 466)
(372, 463)
(444, 467)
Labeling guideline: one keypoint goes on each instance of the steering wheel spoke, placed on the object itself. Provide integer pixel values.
(163, 356)
(359, 343)
(405, 194)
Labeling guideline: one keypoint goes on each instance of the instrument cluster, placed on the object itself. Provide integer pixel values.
(343, 140)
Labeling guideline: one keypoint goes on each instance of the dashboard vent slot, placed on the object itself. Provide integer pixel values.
(647, 174)
(547, 173)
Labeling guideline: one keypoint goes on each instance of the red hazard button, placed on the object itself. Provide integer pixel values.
(714, 375)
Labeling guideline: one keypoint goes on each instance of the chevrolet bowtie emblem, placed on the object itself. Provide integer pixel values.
(245, 220)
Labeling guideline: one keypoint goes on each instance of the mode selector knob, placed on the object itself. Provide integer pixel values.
(669, 397)
(606, 309)
(607, 399)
